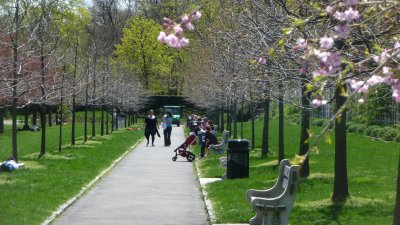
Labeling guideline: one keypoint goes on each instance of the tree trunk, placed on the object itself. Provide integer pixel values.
(305, 126)
(102, 121)
(253, 131)
(14, 128)
(1, 121)
(396, 217)
(34, 117)
(57, 118)
(234, 119)
(61, 124)
(50, 120)
(340, 188)
(116, 121)
(222, 120)
(85, 135)
(265, 140)
(241, 119)
(43, 129)
(281, 129)
(15, 83)
(93, 121)
(107, 121)
(112, 120)
(73, 122)
(26, 120)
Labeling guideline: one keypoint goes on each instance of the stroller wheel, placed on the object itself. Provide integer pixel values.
(174, 158)
(190, 157)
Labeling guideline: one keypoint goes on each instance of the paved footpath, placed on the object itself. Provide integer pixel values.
(146, 187)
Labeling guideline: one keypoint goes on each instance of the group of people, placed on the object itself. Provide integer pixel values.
(205, 130)
(152, 127)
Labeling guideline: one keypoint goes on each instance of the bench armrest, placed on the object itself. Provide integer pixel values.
(250, 194)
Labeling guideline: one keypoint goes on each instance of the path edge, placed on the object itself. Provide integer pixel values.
(210, 211)
(72, 200)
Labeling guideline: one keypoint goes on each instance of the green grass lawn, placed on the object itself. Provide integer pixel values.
(372, 171)
(29, 195)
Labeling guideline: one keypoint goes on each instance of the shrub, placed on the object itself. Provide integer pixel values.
(398, 137)
(317, 122)
(360, 128)
(390, 135)
(382, 132)
(369, 129)
(352, 128)
(375, 132)
(349, 124)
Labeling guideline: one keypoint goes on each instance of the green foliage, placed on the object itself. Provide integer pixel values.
(390, 135)
(378, 104)
(375, 132)
(369, 129)
(143, 54)
(383, 131)
(318, 122)
(397, 137)
(357, 128)
(292, 110)
(352, 128)
(360, 128)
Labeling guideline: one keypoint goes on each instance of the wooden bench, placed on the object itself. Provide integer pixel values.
(220, 148)
(273, 206)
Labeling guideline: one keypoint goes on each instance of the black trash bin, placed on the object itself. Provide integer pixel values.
(237, 159)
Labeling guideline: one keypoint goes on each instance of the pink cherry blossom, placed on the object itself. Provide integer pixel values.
(162, 37)
(261, 61)
(189, 26)
(329, 9)
(196, 15)
(335, 59)
(397, 45)
(303, 70)
(396, 93)
(172, 40)
(351, 14)
(300, 44)
(341, 30)
(374, 80)
(383, 57)
(319, 102)
(184, 42)
(352, 2)
(387, 71)
(339, 16)
(319, 73)
(364, 88)
(185, 19)
(326, 42)
(178, 29)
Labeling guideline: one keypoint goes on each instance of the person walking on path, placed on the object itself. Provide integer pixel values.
(168, 129)
(151, 128)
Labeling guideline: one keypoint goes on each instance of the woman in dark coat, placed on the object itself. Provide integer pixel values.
(151, 128)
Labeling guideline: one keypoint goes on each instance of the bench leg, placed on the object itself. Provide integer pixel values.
(256, 220)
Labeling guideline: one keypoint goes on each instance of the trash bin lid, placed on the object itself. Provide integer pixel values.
(238, 143)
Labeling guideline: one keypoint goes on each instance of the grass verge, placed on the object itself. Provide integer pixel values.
(31, 194)
(372, 170)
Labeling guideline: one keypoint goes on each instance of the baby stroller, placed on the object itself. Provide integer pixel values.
(183, 151)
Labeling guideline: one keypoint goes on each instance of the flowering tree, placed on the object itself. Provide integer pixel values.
(339, 44)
